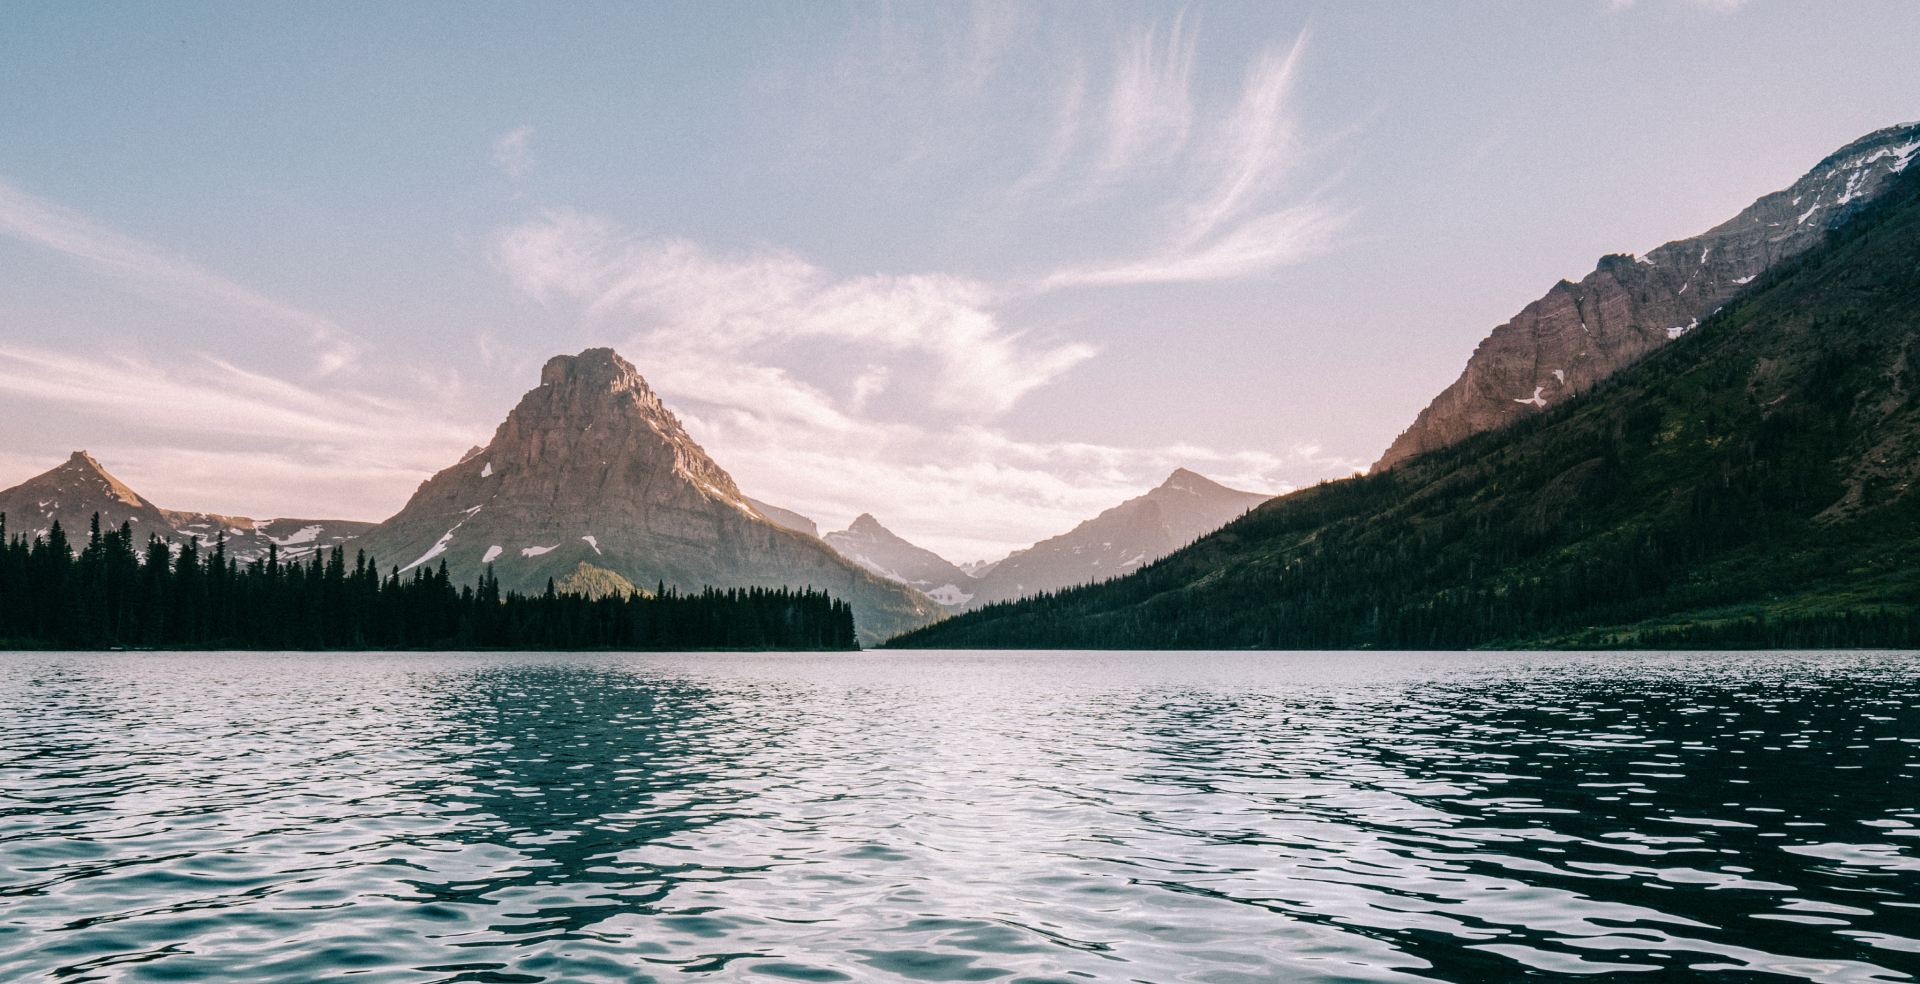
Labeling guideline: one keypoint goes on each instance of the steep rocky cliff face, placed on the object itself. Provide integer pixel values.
(1119, 541)
(1581, 333)
(591, 468)
(879, 550)
(72, 492)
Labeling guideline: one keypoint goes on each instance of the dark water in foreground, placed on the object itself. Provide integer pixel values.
(959, 817)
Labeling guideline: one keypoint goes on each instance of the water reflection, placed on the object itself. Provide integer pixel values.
(1212, 817)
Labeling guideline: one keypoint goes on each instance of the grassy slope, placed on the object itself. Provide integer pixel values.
(1755, 469)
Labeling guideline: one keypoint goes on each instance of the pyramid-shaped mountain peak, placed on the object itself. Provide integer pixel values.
(590, 467)
(84, 470)
(589, 410)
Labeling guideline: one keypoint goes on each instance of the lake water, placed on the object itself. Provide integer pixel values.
(1218, 817)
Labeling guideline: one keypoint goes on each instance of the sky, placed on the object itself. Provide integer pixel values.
(982, 270)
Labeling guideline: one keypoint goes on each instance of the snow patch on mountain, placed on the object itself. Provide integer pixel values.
(437, 549)
(949, 595)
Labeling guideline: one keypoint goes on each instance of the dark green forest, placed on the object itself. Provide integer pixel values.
(110, 594)
(1748, 485)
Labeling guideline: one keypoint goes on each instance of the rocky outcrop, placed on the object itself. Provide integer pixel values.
(877, 549)
(1579, 334)
(1139, 531)
(72, 492)
(591, 468)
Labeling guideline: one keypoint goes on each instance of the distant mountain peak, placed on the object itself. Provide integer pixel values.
(885, 553)
(81, 467)
(1120, 540)
(74, 490)
(1183, 480)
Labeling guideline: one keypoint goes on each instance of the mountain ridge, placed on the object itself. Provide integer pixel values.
(1578, 334)
(74, 490)
(1181, 509)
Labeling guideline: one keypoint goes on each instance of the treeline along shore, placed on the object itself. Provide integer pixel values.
(169, 596)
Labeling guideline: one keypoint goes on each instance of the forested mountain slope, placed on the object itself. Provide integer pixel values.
(1751, 483)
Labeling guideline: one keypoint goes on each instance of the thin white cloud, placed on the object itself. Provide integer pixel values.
(1069, 100)
(1150, 109)
(1232, 227)
(512, 154)
(690, 305)
(1254, 246)
(1253, 147)
(33, 220)
(216, 399)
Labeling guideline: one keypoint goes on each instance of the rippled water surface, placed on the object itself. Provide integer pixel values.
(958, 817)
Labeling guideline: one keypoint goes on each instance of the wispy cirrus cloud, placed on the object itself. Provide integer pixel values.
(512, 152)
(212, 397)
(1230, 225)
(694, 304)
(34, 220)
(1150, 106)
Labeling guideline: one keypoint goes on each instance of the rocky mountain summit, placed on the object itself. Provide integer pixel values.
(590, 468)
(1119, 541)
(72, 492)
(1579, 334)
(877, 549)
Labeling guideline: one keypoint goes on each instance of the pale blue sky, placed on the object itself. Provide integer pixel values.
(981, 270)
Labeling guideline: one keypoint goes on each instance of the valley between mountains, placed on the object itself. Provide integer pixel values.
(1711, 444)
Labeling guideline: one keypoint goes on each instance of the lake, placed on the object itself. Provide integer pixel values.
(1016, 817)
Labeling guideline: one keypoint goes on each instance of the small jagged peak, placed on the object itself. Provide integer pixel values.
(865, 523)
